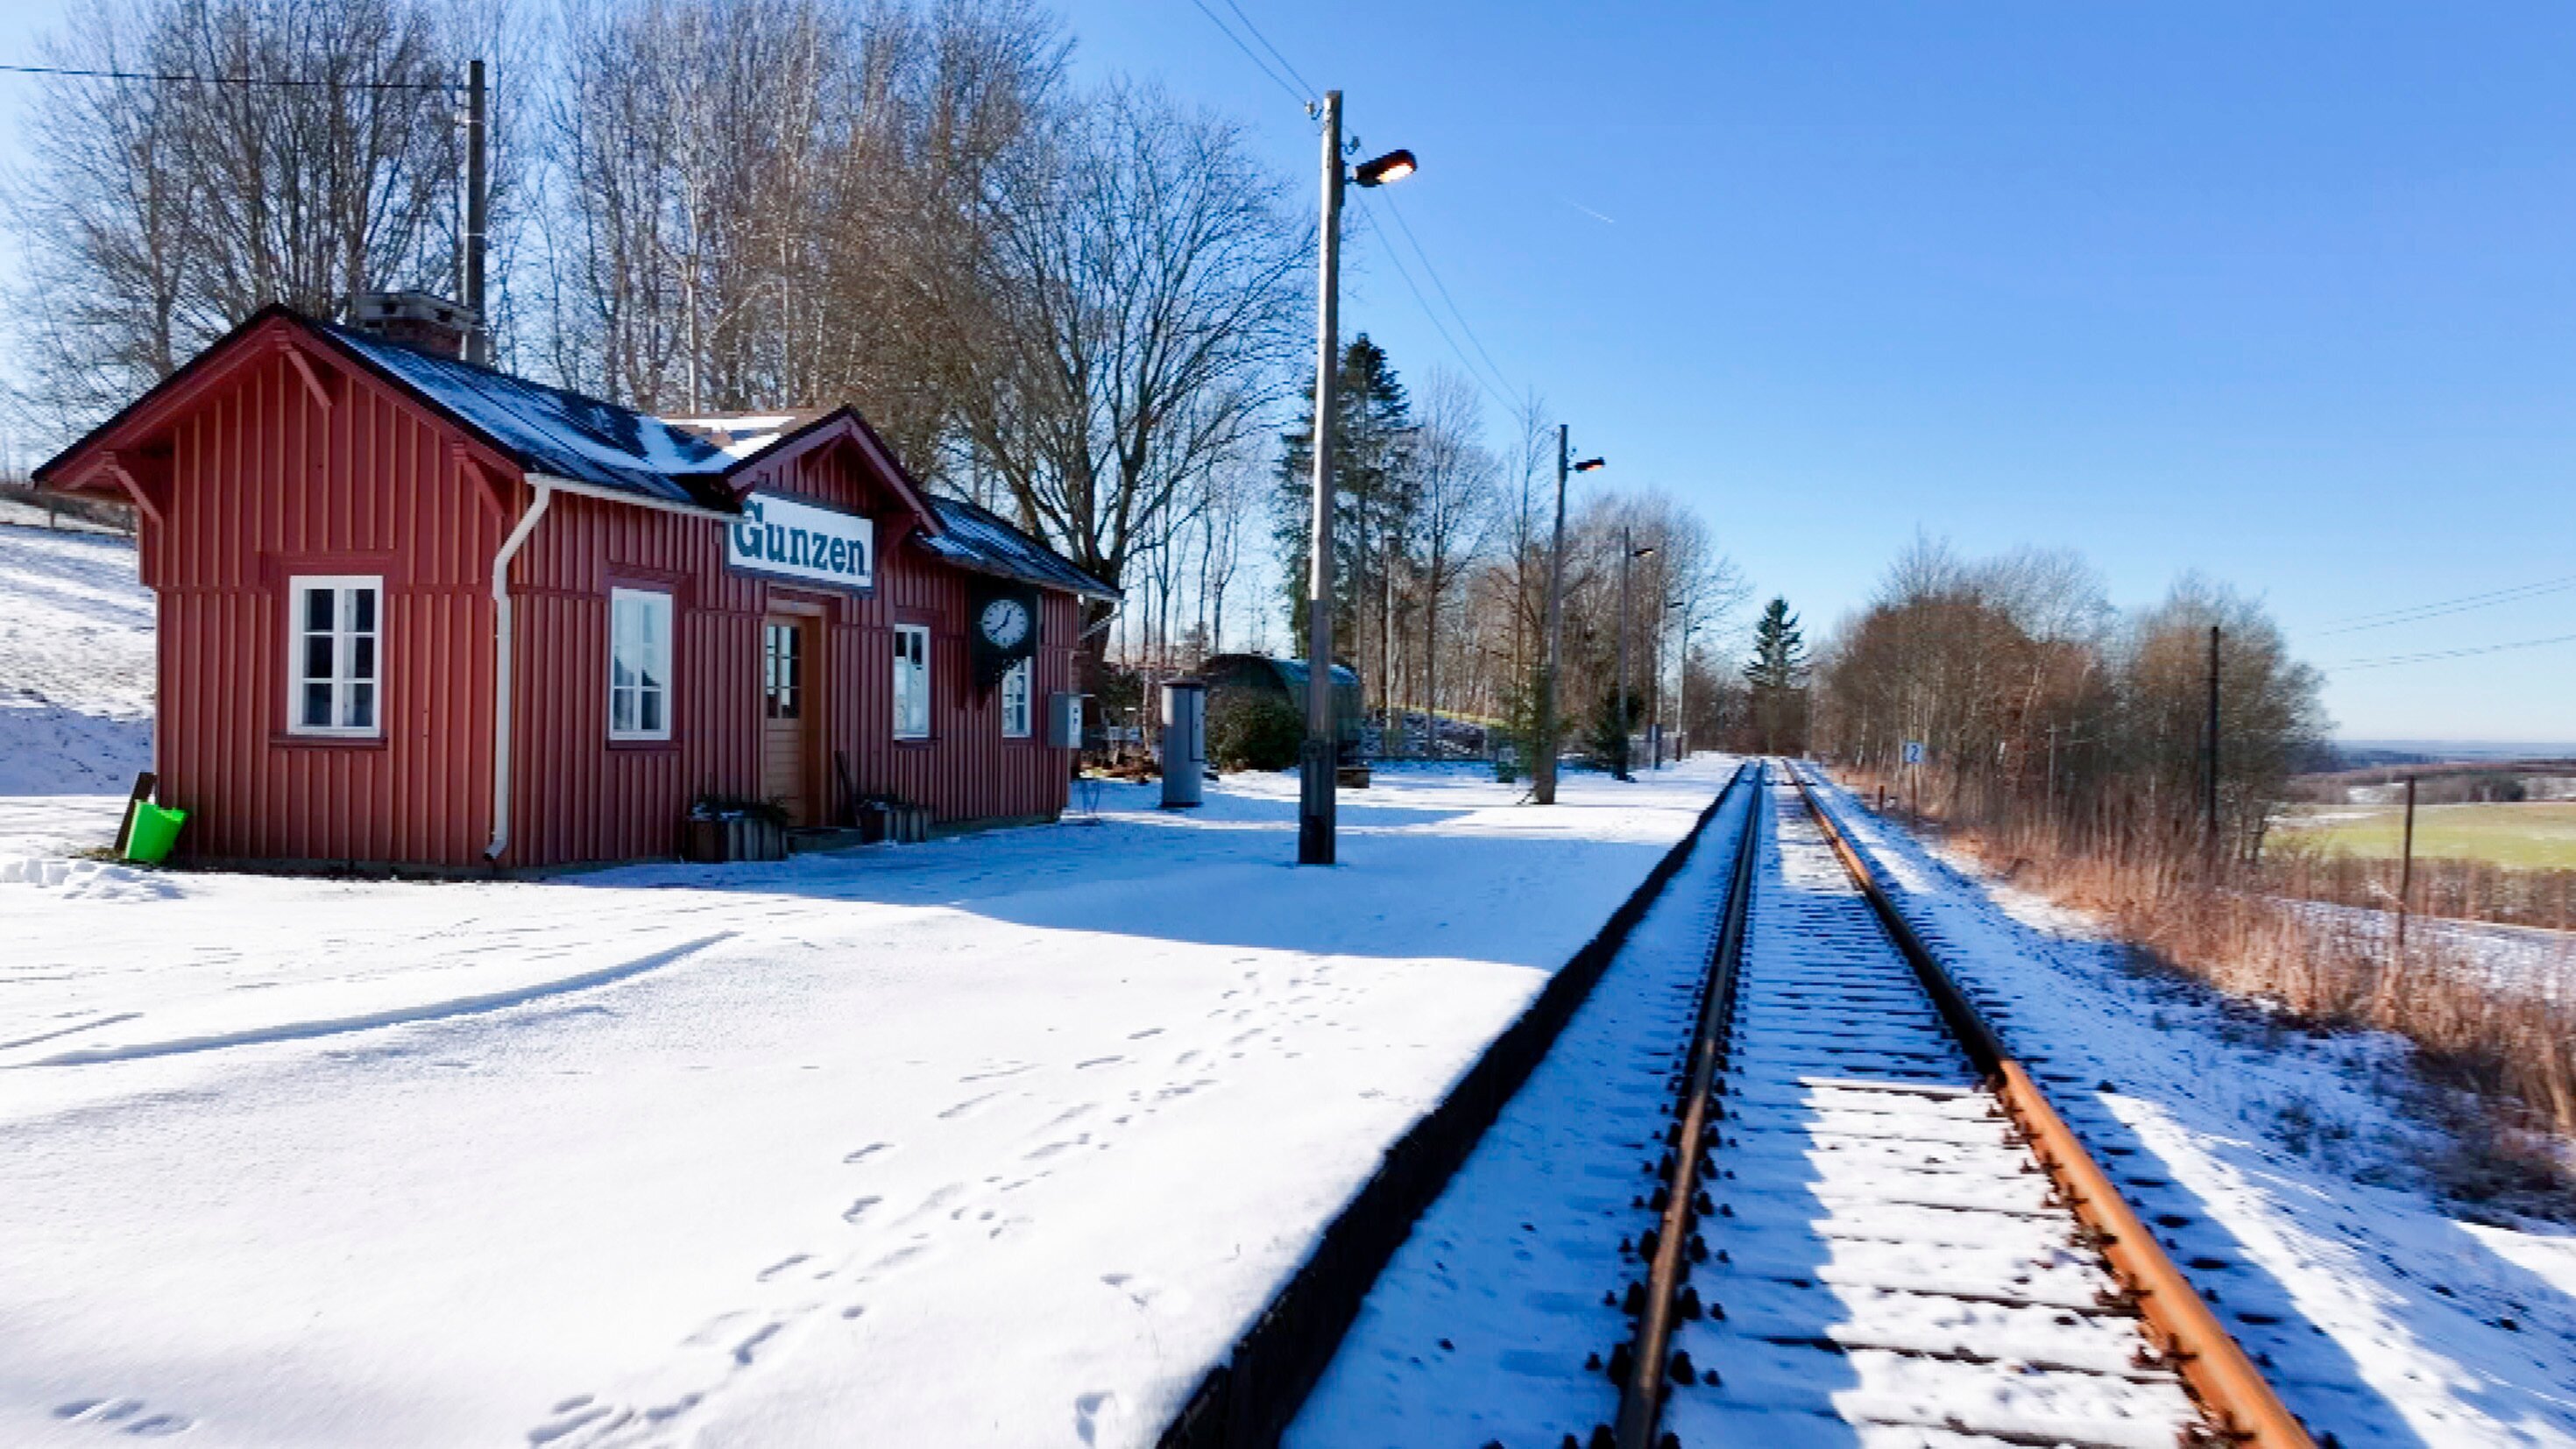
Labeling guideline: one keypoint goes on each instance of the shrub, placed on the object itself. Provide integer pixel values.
(1251, 730)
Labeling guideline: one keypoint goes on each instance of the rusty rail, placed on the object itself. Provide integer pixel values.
(2194, 1343)
(1642, 1387)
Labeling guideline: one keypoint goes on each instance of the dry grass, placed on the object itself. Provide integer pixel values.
(2462, 890)
(2512, 1046)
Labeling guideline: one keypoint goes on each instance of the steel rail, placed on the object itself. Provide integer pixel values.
(1643, 1387)
(2191, 1339)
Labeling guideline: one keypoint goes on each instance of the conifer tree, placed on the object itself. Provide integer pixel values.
(1374, 490)
(1778, 674)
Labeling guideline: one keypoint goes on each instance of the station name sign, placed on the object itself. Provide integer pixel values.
(788, 538)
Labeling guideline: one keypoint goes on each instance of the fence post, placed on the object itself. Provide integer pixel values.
(2405, 870)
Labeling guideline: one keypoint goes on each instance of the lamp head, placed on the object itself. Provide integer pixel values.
(1393, 166)
(1588, 464)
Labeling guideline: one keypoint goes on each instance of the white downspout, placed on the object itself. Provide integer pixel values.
(501, 663)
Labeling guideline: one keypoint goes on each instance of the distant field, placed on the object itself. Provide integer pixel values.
(2529, 836)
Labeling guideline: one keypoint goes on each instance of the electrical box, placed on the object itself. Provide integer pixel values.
(1064, 721)
(1184, 743)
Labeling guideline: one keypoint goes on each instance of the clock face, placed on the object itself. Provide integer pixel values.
(1005, 623)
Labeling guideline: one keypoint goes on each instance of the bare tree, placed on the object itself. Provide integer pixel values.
(1136, 315)
(1455, 502)
(155, 214)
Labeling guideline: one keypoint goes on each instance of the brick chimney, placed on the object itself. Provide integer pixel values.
(416, 320)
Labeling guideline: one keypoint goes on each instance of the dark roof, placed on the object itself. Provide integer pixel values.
(549, 430)
(563, 434)
(977, 539)
(1290, 674)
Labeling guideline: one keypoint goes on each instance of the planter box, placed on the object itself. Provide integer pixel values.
(901, 824)
(720, 842)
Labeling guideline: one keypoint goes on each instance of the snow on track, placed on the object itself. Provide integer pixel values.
(2275, 1170)
(1480, 1325)
(1884, 1266)
(1887, 1259)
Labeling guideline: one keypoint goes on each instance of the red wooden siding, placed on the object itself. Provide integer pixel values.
(267, 483)
(261, 479)
(579, 797)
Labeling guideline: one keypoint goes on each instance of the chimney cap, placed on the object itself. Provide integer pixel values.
(417, 320)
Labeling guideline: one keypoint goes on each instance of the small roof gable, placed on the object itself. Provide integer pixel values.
(975, 539)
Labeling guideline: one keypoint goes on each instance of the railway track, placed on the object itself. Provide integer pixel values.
(1871, 1227)
(1842, 1214)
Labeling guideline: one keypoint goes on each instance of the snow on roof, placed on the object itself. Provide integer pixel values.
(973, 538)
(739, 435)
(554, 431)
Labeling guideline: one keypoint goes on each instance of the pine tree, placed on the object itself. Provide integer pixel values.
(1373, 492)
(1778, 674)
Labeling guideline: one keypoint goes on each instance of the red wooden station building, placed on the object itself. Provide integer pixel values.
(414, 611)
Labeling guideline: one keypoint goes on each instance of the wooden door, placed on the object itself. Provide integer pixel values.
(788, 716)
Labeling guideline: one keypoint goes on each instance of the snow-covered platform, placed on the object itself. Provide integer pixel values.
(992, 1141)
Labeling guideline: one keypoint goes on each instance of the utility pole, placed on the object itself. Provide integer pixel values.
(1543, 778)
(1543, 769)
(2213, 746)
(2048, 796)
(1627, 551)
(1320, 756)
(478, 342)
(2406, 871)
(1321, 753)
(1681, 697)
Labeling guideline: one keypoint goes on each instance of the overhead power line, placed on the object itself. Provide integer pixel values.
(182, 78)
(2390, 618)
(1284, 63)
(1303, 98)
(2431, 655)
(1491, 368)
(1433, 316)
(1284, 74)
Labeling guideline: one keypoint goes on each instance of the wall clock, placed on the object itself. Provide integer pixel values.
(1004, 623)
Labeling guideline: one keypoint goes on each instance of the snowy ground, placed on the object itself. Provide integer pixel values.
(1480, 1328)
(2292, 1193)
(75, 662)
(991, 1141)
(2527, 958)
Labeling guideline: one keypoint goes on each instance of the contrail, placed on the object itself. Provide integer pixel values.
(1588, 211)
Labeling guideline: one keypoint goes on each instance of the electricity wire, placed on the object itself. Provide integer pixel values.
(1284, 63)
(1492, 369)
(1304, 98)
(1433, 316)
(2392, 617)
(1292, 82)
(2432, 655)
(181, 78)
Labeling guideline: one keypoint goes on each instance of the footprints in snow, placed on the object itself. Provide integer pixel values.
(131, 1417)
(790, 1296)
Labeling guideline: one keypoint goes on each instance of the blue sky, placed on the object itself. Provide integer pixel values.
(2283, 293)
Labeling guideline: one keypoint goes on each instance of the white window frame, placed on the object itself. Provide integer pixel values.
(1016, 683)
(343, 677)
(912, 681)
(656, 601)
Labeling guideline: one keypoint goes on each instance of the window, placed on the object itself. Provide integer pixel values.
(911, 682)
(783, 671)
(1015, 701)
(338, 621)
(639, 665)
